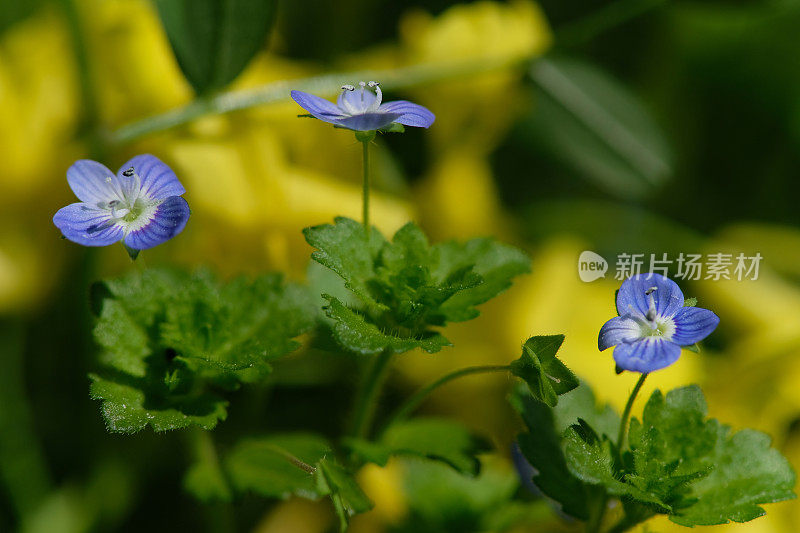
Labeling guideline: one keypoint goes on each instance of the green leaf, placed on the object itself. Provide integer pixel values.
(352, 330)
(261, 465)
(344, 248)
(438, 439)
(690, 302)
(442, 500)
(541, 446)
(170, 340)
(593, 124)
(590, 458)
(407, 287)
(708, 475)
(214, 40)
(546, 376)
(347, 497)
(237, 328)
(130, 404)
(580, 403)
(496, 263)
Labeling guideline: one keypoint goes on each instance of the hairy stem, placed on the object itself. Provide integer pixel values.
(367, 398)
(596, 519)
(296, 461)
(365, 199)
(626, 414)
(417, 398)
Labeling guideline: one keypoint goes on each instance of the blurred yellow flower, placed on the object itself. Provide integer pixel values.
(476, 111)
(38, 120)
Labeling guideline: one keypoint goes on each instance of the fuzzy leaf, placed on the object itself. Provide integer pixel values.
(406, 286)
(538, 366)
(708, 475)
(352, 330)
(130, 404)
(347, 497)
(170, 340)
(260, 465)
(438, 439)
(541, 446)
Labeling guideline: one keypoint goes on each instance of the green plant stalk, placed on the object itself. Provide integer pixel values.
(365, 200)
(626, 413)
(596, 520)
(325, 85)
(417, 398)
(367, 399)
(296, 461)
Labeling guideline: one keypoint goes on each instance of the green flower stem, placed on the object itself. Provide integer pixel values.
(596, 519)
(626, 414)
(326, 85)
(597, 513)
(417, 398)
(365, 199)
(367, 398)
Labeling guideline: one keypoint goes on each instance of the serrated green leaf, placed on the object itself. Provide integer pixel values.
(438, 439)
(261, 465)
(545, 375)
(344, 248)
(406, 286)
(352, 330)
(347, 497)
(130, 404)
(496, 263)
(169, 339)
(214, 40)
(541, 446)
(707, 474)
(590, 457)
(580, 403)
(237, 328)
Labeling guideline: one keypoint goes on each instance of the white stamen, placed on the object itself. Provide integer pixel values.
(348, 88)
(651, 311)
(373, 84)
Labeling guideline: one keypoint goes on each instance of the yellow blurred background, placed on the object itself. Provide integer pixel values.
(256, 177)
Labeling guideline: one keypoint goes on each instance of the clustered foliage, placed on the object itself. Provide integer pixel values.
(677, 462)
(175, 345)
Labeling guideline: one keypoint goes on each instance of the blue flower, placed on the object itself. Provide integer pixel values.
(361, 109)
(653, 324)
(141, 205)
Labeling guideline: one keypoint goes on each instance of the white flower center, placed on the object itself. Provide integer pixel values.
(358, 100)
(129, 208)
